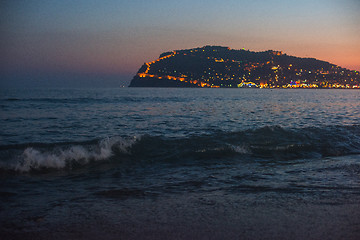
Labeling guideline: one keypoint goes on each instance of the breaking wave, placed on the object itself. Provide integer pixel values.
(275, 143)
(37, 156)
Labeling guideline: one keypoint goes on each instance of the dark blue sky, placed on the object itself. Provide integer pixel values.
(114, 38)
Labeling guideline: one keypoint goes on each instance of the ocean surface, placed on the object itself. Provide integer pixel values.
(153, 163)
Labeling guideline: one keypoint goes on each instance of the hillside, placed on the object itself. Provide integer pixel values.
(214, 66)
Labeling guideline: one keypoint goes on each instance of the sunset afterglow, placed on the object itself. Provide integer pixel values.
(116, 37)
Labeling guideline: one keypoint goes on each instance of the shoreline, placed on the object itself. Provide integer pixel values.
(196, 216)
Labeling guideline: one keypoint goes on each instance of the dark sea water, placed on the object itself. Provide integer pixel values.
(179, 164)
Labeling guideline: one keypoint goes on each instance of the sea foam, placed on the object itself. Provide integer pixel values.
(62, 157)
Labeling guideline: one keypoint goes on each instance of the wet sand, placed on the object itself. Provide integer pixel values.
(193, 216)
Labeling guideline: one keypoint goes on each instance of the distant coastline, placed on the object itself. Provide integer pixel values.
(222, 67)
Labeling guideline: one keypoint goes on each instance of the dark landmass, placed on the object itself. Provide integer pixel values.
(214, 66)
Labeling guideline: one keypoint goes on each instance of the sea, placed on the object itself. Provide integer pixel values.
(175, 163)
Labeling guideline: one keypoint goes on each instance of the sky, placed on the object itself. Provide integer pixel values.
(105, 42)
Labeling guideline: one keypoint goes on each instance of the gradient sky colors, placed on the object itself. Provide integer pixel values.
(114, 38)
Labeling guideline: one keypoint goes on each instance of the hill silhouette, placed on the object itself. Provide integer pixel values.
(216, 66)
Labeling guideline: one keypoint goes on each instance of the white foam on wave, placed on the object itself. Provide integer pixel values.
(32, 159)
(240, 149)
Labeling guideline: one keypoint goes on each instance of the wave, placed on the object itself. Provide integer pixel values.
(38, 156)
(266, 143)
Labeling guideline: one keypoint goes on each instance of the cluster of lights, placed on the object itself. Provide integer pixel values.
(181, 79)
(274, 80)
